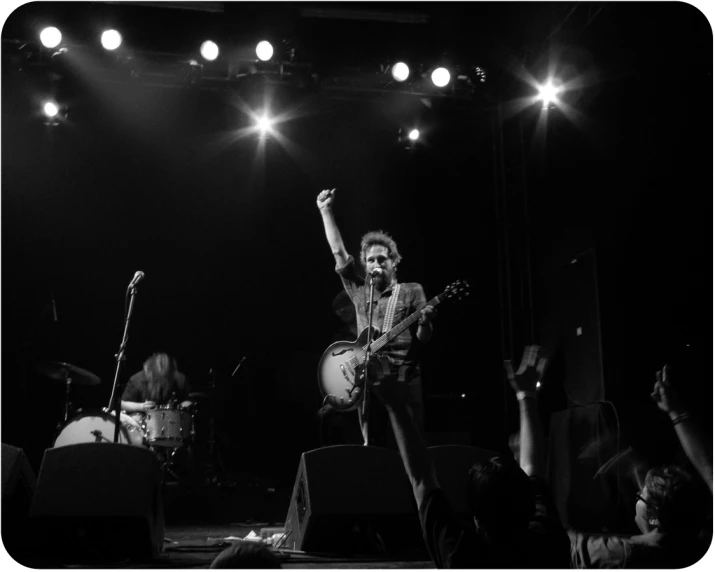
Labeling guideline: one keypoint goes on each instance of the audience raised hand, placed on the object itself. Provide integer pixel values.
(532, 457)
(693, 442)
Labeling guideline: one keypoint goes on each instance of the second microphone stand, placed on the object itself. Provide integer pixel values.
(115, 399)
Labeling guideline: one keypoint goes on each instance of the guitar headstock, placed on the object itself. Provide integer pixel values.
(456, 291)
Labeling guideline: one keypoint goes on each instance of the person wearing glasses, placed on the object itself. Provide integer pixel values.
(515, 523)
(666, 508)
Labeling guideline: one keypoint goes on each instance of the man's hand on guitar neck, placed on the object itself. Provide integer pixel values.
(424, 330)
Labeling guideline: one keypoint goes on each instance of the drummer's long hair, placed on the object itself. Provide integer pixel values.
(162, 378)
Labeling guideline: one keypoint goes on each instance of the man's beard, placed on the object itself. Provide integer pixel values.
(384, 280)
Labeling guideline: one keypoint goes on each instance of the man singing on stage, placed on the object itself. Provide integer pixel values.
(379, 257)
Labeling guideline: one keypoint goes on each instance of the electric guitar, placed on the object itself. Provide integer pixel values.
(341, 368)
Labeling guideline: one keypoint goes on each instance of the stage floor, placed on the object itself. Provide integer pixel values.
(201, 522)
(196, 546)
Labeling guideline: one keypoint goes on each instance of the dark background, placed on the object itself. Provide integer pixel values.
(236, 262)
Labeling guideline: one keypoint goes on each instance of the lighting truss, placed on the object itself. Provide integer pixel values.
(173, 70)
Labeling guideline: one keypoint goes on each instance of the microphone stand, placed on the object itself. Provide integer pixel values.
(366, 389)
(115, 400)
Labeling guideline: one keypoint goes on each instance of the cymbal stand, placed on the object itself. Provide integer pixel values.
(68, 385)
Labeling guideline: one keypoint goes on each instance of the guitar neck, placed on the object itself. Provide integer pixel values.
(387, 337)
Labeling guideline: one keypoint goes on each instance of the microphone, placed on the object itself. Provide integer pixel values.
(138, 277)
(54, 306)
(376, 272)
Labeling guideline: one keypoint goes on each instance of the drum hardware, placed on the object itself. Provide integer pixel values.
(165, 430)
(97, 436)
(214, 470)
(68, 374)
(95, 427)
(165, 456)
(168, 426)
(60, 371)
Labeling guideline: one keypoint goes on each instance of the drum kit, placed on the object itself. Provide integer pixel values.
(164, 429)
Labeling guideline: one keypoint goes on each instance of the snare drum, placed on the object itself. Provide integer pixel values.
(98, 427)
(168, 426)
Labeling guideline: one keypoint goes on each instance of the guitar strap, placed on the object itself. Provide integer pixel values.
(390, 310)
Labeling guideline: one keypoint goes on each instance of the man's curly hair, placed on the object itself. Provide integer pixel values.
(381, 238)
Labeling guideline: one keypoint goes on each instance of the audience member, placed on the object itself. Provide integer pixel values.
(694, 444)
(515, 522)
(247, 555)
(668, 509)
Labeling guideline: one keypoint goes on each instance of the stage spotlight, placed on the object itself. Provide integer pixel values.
(548, 93)
(53, 113)
(50, 109)
(400, 71)
(111, 39)
(440, 77)
(264, 51)
(408, 137)
(209, 50)
(264, 124)
(50, 37)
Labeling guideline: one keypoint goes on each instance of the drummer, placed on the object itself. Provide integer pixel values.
(158, 383)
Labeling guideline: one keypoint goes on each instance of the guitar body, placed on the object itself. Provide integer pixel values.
(340, 372)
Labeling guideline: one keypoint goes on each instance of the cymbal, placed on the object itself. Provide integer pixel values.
(198, 395)
(60, 371)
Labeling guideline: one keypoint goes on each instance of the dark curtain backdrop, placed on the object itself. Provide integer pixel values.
(226, 229)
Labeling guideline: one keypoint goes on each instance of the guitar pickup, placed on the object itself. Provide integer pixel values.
(342, 368)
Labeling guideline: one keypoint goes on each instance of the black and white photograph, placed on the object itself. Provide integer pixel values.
(357, 285)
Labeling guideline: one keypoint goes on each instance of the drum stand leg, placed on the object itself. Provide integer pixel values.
(165, 461)
(210, 470)
(212, 476)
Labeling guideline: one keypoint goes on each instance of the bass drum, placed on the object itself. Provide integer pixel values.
(98, 427)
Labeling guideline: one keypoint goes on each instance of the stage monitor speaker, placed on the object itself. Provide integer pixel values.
(99, 502)
(18, 488)
(352, 499)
